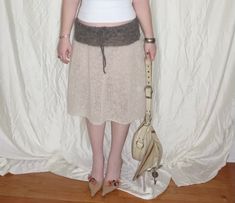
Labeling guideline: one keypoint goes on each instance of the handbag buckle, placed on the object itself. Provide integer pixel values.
(148, 91)
(139, 144)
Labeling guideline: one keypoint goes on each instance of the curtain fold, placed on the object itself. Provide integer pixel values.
(193, 99)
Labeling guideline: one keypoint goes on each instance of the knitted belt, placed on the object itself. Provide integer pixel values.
(107, 36)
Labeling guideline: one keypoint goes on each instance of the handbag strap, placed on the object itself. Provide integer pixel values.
(148, 90)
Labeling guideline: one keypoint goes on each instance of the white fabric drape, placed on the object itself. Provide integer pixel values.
(193, 100)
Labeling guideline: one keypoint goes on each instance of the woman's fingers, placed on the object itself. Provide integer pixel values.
(153, 54)
(150, 54)
(64, 57)
(70, 51)
(151, 49)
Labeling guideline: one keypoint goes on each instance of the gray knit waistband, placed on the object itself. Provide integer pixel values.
(107, 36)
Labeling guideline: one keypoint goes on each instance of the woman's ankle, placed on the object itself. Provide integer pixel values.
(114, 168)
(98, 169)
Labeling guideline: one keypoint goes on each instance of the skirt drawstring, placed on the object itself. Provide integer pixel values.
(107, 36)
(104, 58)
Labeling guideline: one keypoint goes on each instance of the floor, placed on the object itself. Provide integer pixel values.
(51, 188)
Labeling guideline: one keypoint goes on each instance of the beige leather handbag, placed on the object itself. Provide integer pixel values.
(146, 146)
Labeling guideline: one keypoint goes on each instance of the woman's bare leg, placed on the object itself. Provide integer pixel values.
(119, 134)
(96, 135)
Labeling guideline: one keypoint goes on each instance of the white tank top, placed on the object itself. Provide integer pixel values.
(106, 11)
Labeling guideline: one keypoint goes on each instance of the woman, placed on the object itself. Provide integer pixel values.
(106, 37)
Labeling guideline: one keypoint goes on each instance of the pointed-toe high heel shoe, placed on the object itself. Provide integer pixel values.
(94, 185)
(110, 185)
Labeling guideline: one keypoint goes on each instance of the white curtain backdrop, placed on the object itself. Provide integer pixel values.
(193, 100)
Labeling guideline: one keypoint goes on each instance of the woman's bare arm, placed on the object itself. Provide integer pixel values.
(143, 12)
(68, 13)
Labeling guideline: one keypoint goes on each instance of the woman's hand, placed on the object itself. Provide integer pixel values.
(64, 50)
(151, 49)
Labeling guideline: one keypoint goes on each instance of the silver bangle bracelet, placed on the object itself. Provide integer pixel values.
(149, 40)
(64, 36)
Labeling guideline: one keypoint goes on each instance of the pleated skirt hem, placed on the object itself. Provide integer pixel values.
(99, 122)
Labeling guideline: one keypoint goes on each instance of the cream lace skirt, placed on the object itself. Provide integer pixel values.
(117, 95)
